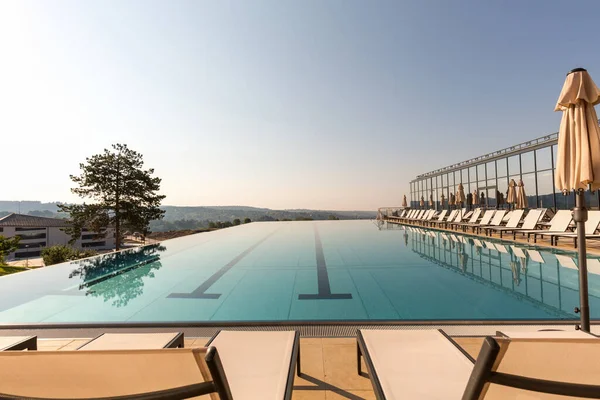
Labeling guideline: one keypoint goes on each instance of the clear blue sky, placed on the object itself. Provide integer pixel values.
(281, 104)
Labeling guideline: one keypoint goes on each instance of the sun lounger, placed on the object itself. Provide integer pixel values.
(458, 219)
(485, 220)
(402, 363)
(149, 374)
(591, 225)
(417, 217)
(259, 365)
(513, 222)
(529, 223)
(507, 216)
(474, 217)
(511, 368)
(133, 341)
(409, 215)
(406, 215)
(559, 224)
(443, 222)
(428, 217)
(547, 334)
(496, 221)
(439, 218)
(18, 343)
(429, 364)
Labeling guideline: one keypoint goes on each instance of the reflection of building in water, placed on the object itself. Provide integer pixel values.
(509, 270)
(534, 162)
(118, 276)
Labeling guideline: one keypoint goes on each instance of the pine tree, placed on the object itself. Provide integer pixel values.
(122, 194)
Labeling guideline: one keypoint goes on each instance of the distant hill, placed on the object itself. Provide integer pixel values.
(196, 217)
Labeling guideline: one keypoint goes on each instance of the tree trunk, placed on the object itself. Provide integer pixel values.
(117, 214)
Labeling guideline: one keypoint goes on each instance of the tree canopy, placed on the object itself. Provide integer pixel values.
(123, 195)
(7, 246)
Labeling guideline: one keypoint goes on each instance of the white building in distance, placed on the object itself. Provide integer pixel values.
(39, 232)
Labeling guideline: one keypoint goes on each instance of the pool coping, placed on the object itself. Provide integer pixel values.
(306, 328)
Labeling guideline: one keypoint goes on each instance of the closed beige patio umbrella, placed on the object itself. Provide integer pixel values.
(404, 203)
(460, 194)
(422, 202)
(578, 163)
(452, 200)
(431, 200)
(521, 196)
(475, 197)
(511, 196)
(443, 200)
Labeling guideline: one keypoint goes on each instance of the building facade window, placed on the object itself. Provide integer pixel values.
(533, 163)
(93, 244)
(29, 236)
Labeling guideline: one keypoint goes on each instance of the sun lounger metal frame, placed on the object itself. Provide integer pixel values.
(294, 362)
(483, 373)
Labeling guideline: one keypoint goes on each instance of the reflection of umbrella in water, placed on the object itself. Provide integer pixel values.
(578, 161)
(405, 238)
(516, 272)
(521, 197)
(464, 259)
(523, 261)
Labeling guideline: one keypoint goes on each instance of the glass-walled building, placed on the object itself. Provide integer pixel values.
(533, 162)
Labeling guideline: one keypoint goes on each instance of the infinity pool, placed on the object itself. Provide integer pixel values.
(301, 271)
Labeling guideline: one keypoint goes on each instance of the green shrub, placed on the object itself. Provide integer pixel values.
(59, 254)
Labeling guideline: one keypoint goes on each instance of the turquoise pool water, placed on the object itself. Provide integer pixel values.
(299, 271)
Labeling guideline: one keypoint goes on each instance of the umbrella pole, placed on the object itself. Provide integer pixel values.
(580, 215)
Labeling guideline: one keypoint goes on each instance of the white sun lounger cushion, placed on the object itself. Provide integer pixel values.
(407, 362)
(256, 363)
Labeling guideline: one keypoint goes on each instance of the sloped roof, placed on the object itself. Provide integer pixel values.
(30, 221)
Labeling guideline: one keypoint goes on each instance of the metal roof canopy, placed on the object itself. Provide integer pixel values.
(534, 144)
